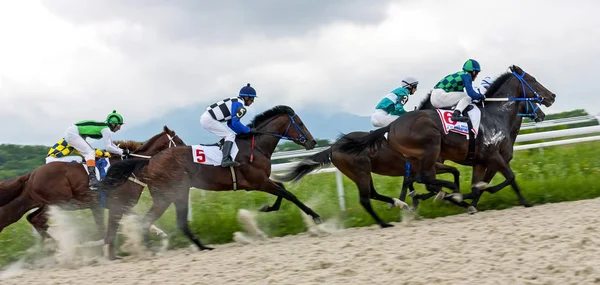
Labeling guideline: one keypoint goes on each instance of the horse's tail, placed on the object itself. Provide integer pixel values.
(306, 166)
(355, 145)
(12, 188)
(118, 173)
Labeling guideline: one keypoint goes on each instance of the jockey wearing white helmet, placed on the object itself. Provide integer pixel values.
(392, 105)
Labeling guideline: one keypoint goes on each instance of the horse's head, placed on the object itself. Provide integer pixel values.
(283, 122)
(531, 88)
(166, 139)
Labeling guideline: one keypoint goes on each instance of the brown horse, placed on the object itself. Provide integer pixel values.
(172, 173)
(66, 184)
(420, 136)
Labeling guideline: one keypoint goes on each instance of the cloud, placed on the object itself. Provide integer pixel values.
(75, 60)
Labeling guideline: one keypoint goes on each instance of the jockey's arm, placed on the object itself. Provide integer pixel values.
(399, 109)
(467, 80)
(386, 103)
(108, 144)
(237, 114)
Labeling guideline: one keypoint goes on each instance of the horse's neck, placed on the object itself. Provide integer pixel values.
(267, 144)
(499, 123)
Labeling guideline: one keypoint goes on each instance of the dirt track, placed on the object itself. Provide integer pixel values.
(546, 244)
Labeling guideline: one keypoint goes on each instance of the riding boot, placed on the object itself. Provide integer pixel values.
(458, 117)
(92, 176)
(227, 160)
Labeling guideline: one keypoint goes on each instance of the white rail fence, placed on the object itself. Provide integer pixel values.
(521, 138)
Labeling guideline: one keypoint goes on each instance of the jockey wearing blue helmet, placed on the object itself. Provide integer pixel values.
(457, 88)
(230, 111)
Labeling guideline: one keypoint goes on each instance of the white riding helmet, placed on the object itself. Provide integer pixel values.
(409, 82)
(486, 82)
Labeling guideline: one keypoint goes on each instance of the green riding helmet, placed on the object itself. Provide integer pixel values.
(471, 65)
(114, 118)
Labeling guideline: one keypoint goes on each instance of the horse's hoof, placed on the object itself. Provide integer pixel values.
(385, 225)
(412, 194)
(390, 206)
(527, 205)
(317, 220)
(440, 196)
(401, 204)
(264, 208)
(456, 197)
(472, 210)
(206, 248)
(481, 185)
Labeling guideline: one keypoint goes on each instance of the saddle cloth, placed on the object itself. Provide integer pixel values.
(211, 154)
(102, 164)
(460, 127)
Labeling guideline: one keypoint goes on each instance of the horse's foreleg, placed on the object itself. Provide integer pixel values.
(98, 213)
(275, 207)
(278, 190)
(489, 174)
(500, 165)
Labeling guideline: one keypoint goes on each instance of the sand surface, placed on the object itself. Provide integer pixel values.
(545, 244)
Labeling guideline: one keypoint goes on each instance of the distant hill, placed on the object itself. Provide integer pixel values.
(186, 123)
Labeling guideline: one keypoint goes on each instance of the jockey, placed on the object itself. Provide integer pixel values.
(229, 110)
(392, 105)
(484, 85)
(457, 89)
(76, 134)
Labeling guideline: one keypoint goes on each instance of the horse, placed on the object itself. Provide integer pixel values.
(66, 184)
(527, 109)
(172, 173)
(384, 161)
(420, 134)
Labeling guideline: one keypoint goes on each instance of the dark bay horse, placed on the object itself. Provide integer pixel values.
(419, 134)
(384, 161)
(527, 109)
(66, 184)
(172, 173)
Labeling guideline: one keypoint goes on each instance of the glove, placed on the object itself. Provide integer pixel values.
(253, 131)
(125, 153)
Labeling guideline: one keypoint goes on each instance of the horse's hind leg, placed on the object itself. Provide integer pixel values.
(181, 208)
(276, 205)
(39, 220)
(13, 211)
(278, 189)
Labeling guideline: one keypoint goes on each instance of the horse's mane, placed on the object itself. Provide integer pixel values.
(130, 145)
(497, 83)
(268, 114)
(426, 102)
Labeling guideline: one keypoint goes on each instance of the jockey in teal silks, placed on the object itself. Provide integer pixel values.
(392, 105)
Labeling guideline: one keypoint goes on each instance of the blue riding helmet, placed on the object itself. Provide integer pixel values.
(471, 65)
(247, 91)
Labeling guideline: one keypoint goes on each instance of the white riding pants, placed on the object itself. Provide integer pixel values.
(381, 118)
(73, 137)
(217, 128)
(443, 99)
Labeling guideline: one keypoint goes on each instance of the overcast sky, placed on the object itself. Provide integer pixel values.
(67, 60)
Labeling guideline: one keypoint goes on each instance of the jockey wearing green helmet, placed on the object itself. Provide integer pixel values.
(457, 88)
(76, 136)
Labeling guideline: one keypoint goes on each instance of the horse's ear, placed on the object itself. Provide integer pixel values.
(166, 129)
